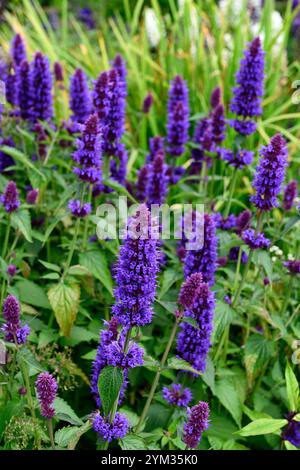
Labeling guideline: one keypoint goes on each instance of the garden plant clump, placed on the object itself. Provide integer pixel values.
(150, 226)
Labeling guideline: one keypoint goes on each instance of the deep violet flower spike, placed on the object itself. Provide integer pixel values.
(24, 90)
(157, 180)
(215, 97)
(88, 153)
(58, 72)
(120, 66)
(147, 103)
(190, 290)
(290, 194)
(141, 184)
(10, 197)
(80, 99)
(136, 272)
(101, 97)
(204, 259)
(292, 433)
(255, 241)
(218, 124)
(10, 88)
(114, 124)
(293, 266)
(193, 343)
(46, 388)
(18, 50)
(177, 395)
(14, 331)
(197, 423)
(247, 95)
(243, 221)
(156, 144)
(270, 173)
(117, 358)
(178, 117)
(109, 431)
(41, 83)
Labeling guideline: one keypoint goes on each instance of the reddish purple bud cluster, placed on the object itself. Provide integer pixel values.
(10, 197)
(31, 196)
(190, 290)
(293, 266)
(14, 331)
(147, 103)
(197, 423)
(46, 388)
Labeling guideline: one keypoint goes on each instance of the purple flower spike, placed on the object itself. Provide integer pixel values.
(11, 270)
(177, 395)
(237, 159)
(31, 196)
(156, 144)
(190, 290)
(215, 97)
(178, 117)
(88, 153)
(270, 174)
(197, 423)
(157, 180)
(101, 97)
(10, 197)
(80, 99)
(13, 329)
(10, 89)
(243, 221)
(18, 50)
(24, 90)
(204, 260)
(141, 184)
(109, 431)
(293, 266)
(147, 103)
(255, 241)
(120, 66)
(58, 72)
(290, 194)
(247, 95)
(114, 124)
(79, 210)
(46, 388)
(136, 273)
(41, 83)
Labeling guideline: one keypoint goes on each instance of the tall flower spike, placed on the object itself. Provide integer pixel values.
(10, 88)
(46, 388)
(178, 117)
(24, 90)
(190, 290)
(10, 197)
(13, 328)
(118, 165)
(203, 137)
(120, 66)
(136, 272)
(41, 83)
(270, 173)
(88, 153)
(218, 124)
(80, 99)
(156, 144)
(215, 97)
(18, 50)
(197, 423)
(193, 344)
(290, 194)
(157, 180)
(114, 125)
(141, 184)
(101, 97)
(246, 102)
(204, 260)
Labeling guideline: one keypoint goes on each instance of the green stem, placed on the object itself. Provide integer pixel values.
(72, 249)
(240, 288)
(86, 223)
(50, 430)
(202, 177)
(231, 192)
(6, 238)
(157, 376)
(238, 268)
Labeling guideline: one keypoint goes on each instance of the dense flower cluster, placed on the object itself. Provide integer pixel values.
(255, 241)
(178, 117)
(78, 209)
(115, 355)
(190, 290)
(224, 223)
(204, 259)
(46, 388)
(18, 50)
(41, 87)
(13, 328)
(290, 194)
(237, 159)
(270, 174)
(10, 197)
(80, 99)
(246, 102)
(109, 431)
(24, 90)
(177, 395)
(197, 423)
(136, 273)
(157, 180)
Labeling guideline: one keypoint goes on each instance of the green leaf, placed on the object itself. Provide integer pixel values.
(21, 220)
(170, 276)
(65, 435)
(90, 356)
(191, 321)
(223, 317)
(262, 426)
(109, 385)
(64, 412)
(131, 442)
(22, 158)
(50, 266)
(32, 294)
(64, 300)
(180, 364)
(264, 259)
(51, 276)
(258, 351)
(292, 388)
(228, 394)
(96, 264)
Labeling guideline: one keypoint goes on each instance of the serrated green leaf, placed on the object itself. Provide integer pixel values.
(170, 276)
(180, 364)
(96, 264)
(21, 220)
(292, 388)
(131, 442)
(226, 391)
(64, 300)
(50, 266)
(109, 384)
(32, 294)
(64, 412)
